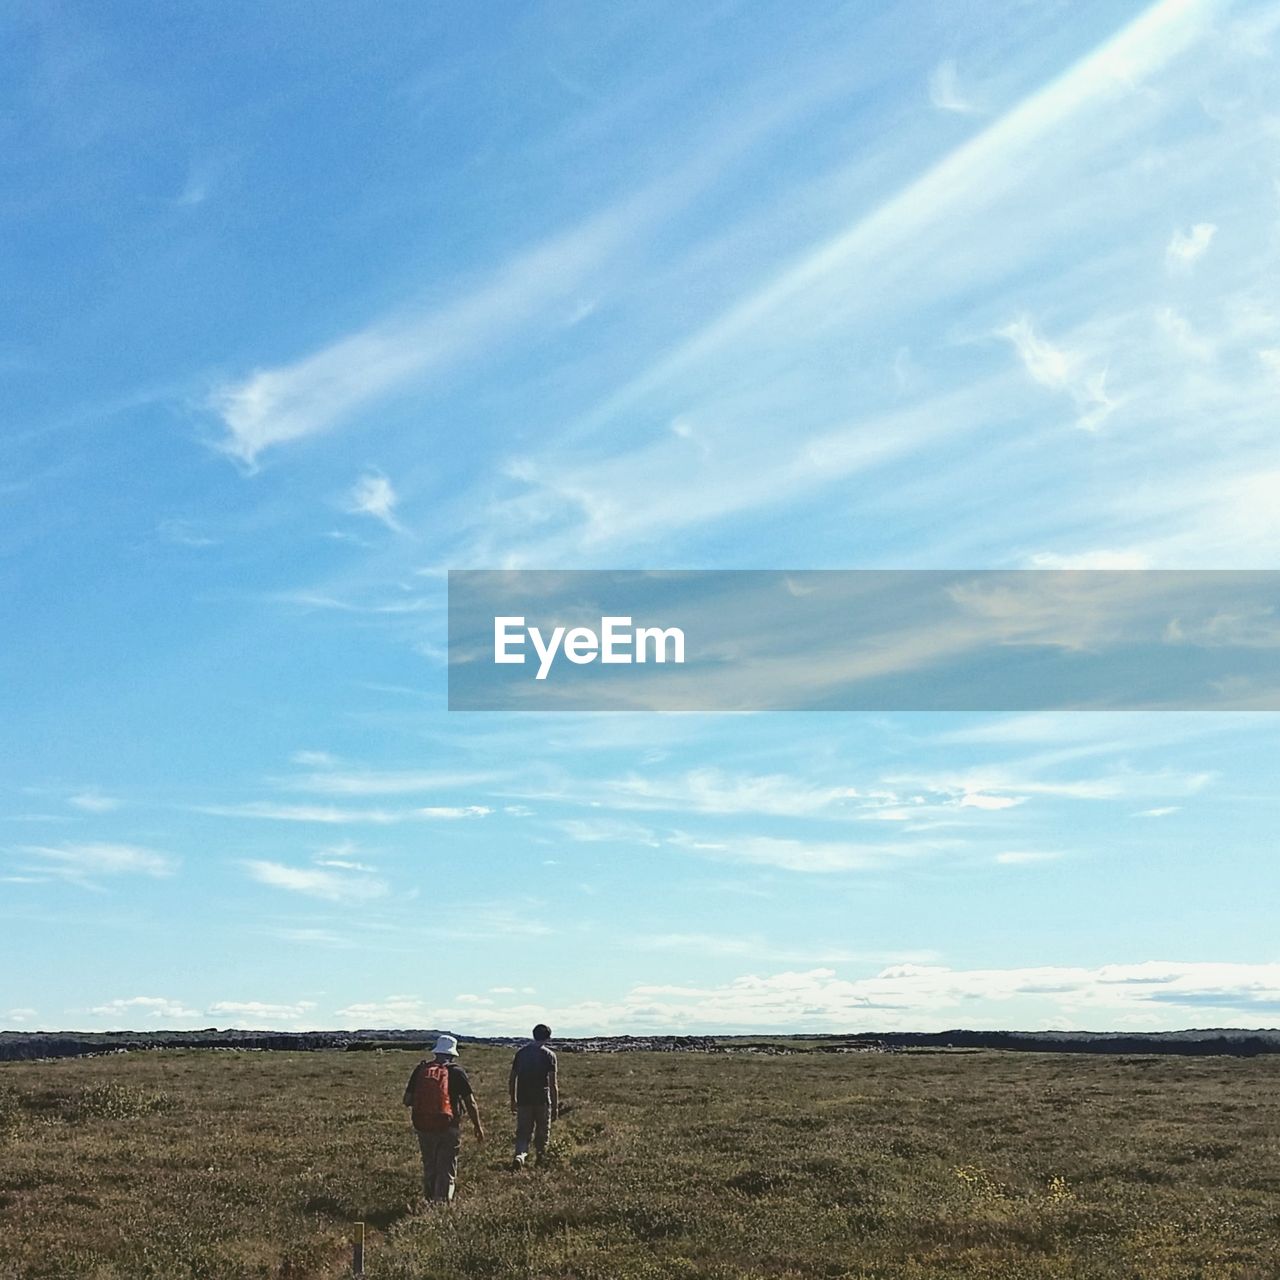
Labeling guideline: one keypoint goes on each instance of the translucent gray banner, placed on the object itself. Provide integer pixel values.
(863, 640)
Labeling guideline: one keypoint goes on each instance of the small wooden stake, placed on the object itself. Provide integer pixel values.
(357, 1250)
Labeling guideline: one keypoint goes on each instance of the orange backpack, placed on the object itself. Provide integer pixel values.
(432, 1109)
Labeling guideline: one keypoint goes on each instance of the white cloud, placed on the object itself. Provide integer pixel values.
(605, 831)
(998, 780)
(710, 790)
(1179, 331)
(917, 996)
(337, 814)
(906, 994)
(317, 882)
(1185, 248)
(1019, 857)
(250, 1014)
(314, 394)
(977, 800)
(85, 864)
(94, 802)
(373, 495)
(1251, 626)
(393, 1012)
(343, 864)
(944, 90)
(19, 1015)
(329, 814)
(150, 1008)
(386, 782)
(812, 856)
(1004, 197)
(764, 949)
(1100, 559)
(1062, 370)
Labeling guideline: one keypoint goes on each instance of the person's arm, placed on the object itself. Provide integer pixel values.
(553, 1089)
(473, 1110)
(408, 1089)
(511, 1085)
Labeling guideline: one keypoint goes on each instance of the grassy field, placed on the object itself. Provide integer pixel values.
(225, 1164)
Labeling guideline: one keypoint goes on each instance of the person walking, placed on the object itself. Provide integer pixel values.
(439, 1092)
(534, 1093)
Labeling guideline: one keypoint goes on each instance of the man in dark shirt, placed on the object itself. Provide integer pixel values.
(440, 1132)
(535, 1095)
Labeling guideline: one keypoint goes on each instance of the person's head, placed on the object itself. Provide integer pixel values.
(446, 1048)
(541, 1032)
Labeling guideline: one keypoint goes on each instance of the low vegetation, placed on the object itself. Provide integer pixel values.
(201, 1164)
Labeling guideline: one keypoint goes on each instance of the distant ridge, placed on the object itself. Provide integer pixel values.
(1230, 1041)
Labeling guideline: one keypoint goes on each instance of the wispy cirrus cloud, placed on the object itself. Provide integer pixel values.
(383, 782)
(760, 948)
(374, 495)
(944, 90)
(1061, 370)
(340, 815)
(316, 393)
(318, 881)
(817, 857)
(87, 864)
(999, 783)
(751, 364)
(273, 812)
(341, 859)
(978, 800)
(93, 801)
(713, 791)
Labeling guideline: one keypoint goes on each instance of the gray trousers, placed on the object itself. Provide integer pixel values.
(440, 1162)
(532, 1122)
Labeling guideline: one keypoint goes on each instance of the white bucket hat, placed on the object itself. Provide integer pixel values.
(446, 1044)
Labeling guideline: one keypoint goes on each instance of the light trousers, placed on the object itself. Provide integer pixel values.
(532, 1122)
(440, 1162)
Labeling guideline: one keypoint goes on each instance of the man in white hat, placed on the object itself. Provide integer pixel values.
(439, 1092)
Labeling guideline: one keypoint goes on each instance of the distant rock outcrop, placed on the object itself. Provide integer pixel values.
(27, 1045)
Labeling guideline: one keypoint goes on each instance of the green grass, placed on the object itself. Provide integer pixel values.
(224, 1164)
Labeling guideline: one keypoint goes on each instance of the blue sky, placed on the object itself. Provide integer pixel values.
(302, 312)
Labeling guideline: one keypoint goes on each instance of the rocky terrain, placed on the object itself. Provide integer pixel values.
(27, 1045)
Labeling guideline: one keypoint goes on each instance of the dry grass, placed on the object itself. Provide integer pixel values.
(202, 1164)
